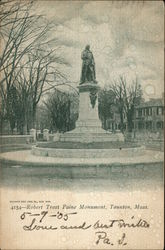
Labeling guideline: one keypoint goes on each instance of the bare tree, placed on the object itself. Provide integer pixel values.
(27, 62)
(34, 78)
(62, 111)
(106, 101)
(127, 97)
(20, 33)
(117, 89)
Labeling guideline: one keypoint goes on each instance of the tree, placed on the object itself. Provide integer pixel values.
(117, 90)
(27, 61)
(32, 80)
(127, 97)
(13, 107)
(61, 108)
(20, 32)
(106, 101)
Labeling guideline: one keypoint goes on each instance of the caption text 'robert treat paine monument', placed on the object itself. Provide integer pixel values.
(88, 126)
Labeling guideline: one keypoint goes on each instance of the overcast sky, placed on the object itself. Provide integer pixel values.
(126, 38)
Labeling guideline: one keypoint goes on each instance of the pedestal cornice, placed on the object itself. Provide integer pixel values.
(88, 86)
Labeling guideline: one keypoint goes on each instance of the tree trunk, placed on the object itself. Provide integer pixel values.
(121, 120)
(130, 120)
(34, 117)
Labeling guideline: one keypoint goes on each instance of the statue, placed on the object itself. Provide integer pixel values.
(88, 66)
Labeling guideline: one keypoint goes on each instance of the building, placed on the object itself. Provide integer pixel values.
(149, 115)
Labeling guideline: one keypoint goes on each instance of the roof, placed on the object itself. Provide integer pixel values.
(152, 103)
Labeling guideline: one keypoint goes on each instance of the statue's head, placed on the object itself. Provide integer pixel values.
(87, 47)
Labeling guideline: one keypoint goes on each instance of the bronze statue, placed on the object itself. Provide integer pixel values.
(88, 73)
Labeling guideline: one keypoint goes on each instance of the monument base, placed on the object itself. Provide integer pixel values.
(88, 126)
(92, 137)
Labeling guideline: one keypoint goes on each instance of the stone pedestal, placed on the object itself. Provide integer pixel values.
(88, 120)
(88, 126)
(56, 136)
(46, 134)
(33, 134)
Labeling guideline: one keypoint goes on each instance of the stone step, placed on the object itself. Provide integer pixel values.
(91, 137)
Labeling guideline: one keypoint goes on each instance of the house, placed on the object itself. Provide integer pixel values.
(149, 115)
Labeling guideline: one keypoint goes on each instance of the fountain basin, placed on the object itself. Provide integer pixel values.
(87, 153)
(150, 164)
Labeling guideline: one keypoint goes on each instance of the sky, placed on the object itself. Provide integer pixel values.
(126, 38)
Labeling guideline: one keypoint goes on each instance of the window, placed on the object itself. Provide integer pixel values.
(150, 111)
(140, 125)
(159, 125)
(159, 111)
(139, 112)
(147, 111)
(149, 125)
